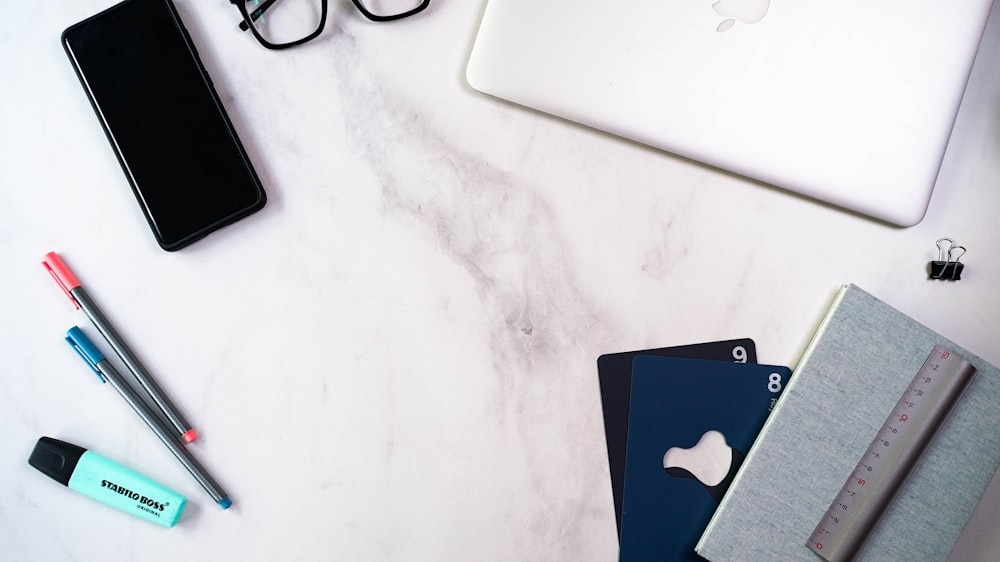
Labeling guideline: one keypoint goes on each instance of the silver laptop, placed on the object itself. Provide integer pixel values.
(849, 102)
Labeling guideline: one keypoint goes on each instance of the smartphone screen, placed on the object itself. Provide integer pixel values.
(176, 145)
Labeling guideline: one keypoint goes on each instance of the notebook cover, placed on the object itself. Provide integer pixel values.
(979, 541)
(853, 372)
(614, 372)
(698, 418)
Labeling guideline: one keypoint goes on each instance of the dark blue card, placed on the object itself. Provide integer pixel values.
(691, 422)
(614, 371)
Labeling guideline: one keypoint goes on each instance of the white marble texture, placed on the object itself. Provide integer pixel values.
(395, 359)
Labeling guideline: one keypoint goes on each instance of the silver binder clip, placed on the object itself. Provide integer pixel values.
(947, 267)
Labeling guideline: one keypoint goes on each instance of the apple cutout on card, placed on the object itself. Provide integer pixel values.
(712, 462)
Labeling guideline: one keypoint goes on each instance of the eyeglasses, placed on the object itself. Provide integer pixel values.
(279, 24)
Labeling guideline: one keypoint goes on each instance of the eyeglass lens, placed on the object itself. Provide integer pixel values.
(390, 8)
(284, 21)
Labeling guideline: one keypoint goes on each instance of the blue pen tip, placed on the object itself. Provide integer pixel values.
(225, 502)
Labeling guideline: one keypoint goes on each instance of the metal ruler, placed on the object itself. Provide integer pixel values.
(892, 455)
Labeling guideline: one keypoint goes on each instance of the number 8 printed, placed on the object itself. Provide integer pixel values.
(774, 383)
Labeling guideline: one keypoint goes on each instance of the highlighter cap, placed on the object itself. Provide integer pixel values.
(56, 459)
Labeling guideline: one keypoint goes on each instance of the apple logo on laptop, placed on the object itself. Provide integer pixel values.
(712, 462)
(747, 11)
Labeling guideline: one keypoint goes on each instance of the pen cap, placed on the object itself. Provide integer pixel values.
(56, 459)
(86, 348)
(61, 274)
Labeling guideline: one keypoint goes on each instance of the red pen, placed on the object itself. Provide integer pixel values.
(81, 300)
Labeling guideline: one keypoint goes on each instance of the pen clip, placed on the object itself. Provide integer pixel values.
(85, 349)
(62, 275)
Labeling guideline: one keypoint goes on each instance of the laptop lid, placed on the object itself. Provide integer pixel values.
(850, 102)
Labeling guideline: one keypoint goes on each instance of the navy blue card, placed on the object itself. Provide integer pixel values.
(614, 372)
(691, 422)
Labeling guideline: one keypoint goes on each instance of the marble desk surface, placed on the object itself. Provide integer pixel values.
(395, 359)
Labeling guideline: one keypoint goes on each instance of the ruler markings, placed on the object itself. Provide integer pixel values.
(890, 458)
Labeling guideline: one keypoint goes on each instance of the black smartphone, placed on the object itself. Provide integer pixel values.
(159, 109)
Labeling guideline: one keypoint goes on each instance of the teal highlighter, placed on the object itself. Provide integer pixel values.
(107, 481)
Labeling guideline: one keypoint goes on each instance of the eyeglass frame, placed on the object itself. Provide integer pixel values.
(250, 17)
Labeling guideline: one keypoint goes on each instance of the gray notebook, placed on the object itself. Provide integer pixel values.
(857, 366)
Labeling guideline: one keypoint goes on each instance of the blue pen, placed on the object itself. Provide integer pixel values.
(107, 373)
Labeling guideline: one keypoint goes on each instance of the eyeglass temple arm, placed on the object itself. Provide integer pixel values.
(256, 14)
